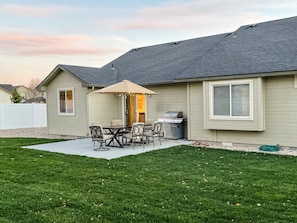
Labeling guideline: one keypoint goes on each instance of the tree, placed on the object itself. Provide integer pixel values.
(15, 96)
(32, 86)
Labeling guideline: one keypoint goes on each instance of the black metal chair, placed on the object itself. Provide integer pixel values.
(98, 135)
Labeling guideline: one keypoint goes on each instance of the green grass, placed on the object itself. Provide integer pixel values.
(180, 184)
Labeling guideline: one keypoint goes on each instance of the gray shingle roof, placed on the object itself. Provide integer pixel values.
(87, 75)
(159, 63)
(7, 87)
(260, 48)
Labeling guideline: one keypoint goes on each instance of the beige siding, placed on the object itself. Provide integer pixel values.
(278, 103)
(169, 98)
(104, 107)
(196, 129)
(77, 124)
(280, 115)
(5, 97)
(280, 109)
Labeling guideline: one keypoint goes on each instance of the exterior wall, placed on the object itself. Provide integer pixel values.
(104, 107)
(169, 98)
(280, 116)
(5, 97)
(77, 124)
(196, 129)
(280, 109)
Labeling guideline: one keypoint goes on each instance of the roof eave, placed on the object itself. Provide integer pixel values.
(84, 84)
(5, 90)
(237, 76)
(49, 77)
(94, 85)
(54, 73)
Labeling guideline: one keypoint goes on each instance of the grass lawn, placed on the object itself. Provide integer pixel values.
(180, 184)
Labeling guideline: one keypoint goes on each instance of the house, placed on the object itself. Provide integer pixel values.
(24, 92)
(5, 93)
(236, 87)
(27, 94)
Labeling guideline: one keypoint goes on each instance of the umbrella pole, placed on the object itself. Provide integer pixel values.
(124, 108)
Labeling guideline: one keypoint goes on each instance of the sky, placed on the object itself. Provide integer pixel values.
(36, 36)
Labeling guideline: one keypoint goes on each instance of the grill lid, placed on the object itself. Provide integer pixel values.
(173, 114)
(171, 120)
(172, 117)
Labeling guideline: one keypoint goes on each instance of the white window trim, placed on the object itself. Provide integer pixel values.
(231, 82)
(58, 100)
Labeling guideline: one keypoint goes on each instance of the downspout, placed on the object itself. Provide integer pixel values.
(88, 109)
(123, 96)
(189, 112)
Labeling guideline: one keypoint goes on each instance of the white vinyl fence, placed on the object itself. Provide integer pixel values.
(15, 116)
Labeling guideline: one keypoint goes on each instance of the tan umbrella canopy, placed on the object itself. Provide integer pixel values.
(125, 87)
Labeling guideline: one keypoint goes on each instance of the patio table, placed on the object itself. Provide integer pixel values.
(116, 131)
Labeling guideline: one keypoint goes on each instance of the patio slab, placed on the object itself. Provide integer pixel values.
(84, 147)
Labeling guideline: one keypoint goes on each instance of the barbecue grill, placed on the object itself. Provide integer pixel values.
(174, 125)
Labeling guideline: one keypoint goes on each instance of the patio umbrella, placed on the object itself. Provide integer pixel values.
(125, 87)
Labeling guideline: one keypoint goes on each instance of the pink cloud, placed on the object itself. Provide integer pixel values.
(34, 11)
(17, 43)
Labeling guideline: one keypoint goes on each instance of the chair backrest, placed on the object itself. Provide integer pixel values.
(96, 131)
(137, 129)
(116, 122)
(157, 128)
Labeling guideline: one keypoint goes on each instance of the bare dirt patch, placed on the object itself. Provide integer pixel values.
(29, 133)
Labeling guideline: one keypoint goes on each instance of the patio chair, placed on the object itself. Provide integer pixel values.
(98, 135)
(136, 134)
(155, 132)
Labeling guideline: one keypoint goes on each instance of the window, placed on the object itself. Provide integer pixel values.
(66, 101)
(231, 100)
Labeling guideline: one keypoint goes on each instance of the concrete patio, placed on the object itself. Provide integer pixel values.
(85, 147)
